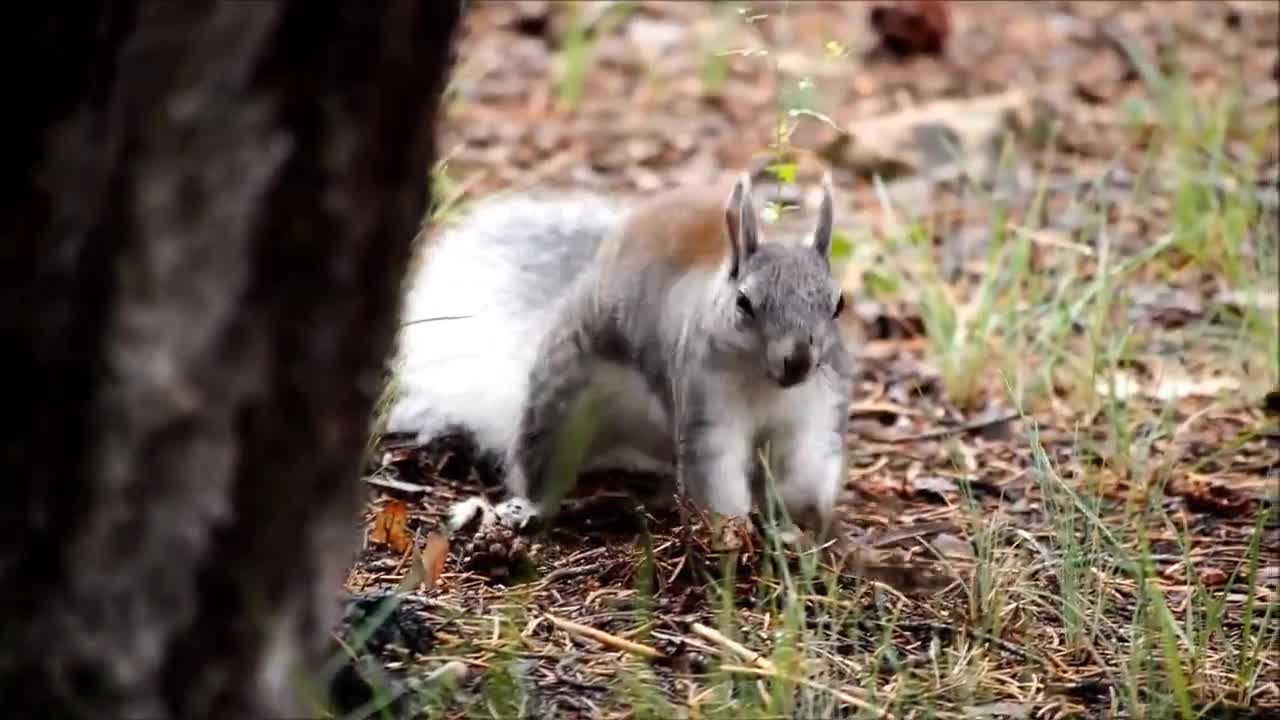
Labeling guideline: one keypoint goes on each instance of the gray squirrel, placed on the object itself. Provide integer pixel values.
(699, 341)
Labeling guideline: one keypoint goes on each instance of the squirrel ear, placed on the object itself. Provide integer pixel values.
(822, 234)
(740, 220)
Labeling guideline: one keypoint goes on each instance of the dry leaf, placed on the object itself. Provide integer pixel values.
(414, 577)
(1203, 495)
(953, 547)
(433, 557)
(1213, 577)
(933, 487)
(425, 565)
(391, 527)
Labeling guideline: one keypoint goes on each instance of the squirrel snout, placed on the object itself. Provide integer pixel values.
(790, 361)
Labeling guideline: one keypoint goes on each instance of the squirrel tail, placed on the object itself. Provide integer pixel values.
(476, 308)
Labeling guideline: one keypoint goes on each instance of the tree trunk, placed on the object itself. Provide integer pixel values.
(208, 208)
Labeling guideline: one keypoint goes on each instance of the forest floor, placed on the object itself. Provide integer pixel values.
(1060, 240)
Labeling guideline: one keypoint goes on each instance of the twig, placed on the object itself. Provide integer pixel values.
(841, 695)
(603, 637)
(397, 485)
(907, 532)
(566, 572)
(957, 430)
(742, 651)
(863, 472)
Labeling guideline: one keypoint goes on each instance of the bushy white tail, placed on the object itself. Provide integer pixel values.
(475, 310)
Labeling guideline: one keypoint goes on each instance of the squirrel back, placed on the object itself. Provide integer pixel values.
(487, 290)
(683, 227)
(477, 306)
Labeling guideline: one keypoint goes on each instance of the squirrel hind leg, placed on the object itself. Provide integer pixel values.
(556, 420)
(630, 433)
(634, 433)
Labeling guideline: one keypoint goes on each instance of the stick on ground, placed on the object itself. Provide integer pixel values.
(603, 637)
(745, 653)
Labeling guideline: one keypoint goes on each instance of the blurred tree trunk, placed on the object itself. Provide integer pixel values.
(207, 210)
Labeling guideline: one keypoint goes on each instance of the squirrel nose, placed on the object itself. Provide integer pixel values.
(796, 365)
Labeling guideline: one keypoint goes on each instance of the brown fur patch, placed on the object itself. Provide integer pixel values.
(684, 226)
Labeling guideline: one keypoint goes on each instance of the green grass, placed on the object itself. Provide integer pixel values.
(577, 44)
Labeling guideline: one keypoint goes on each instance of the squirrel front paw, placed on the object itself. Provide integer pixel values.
(516, 513)
(474, 514)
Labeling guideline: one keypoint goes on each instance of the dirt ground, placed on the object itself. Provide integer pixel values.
(1064, 453)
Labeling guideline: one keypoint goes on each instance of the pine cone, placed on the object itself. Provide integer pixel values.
(494, 551)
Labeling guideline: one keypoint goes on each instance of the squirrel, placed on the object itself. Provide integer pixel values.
(700, 343)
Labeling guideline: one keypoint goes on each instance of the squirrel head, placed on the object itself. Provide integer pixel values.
(783, 301)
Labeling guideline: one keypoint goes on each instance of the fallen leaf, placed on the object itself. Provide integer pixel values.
(949, 545)
(1101, 78)
(904, 532)
(433, 557)
(414, 576)
(1168, 306)
(933, 487)
(391, 527)
(1202, 495)
(1213, 577)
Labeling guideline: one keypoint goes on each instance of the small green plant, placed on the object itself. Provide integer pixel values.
(587, 23)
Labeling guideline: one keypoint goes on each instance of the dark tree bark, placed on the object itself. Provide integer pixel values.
(207, 211)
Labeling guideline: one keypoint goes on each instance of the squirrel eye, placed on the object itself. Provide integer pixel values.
(744, 305)
(839, 306)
